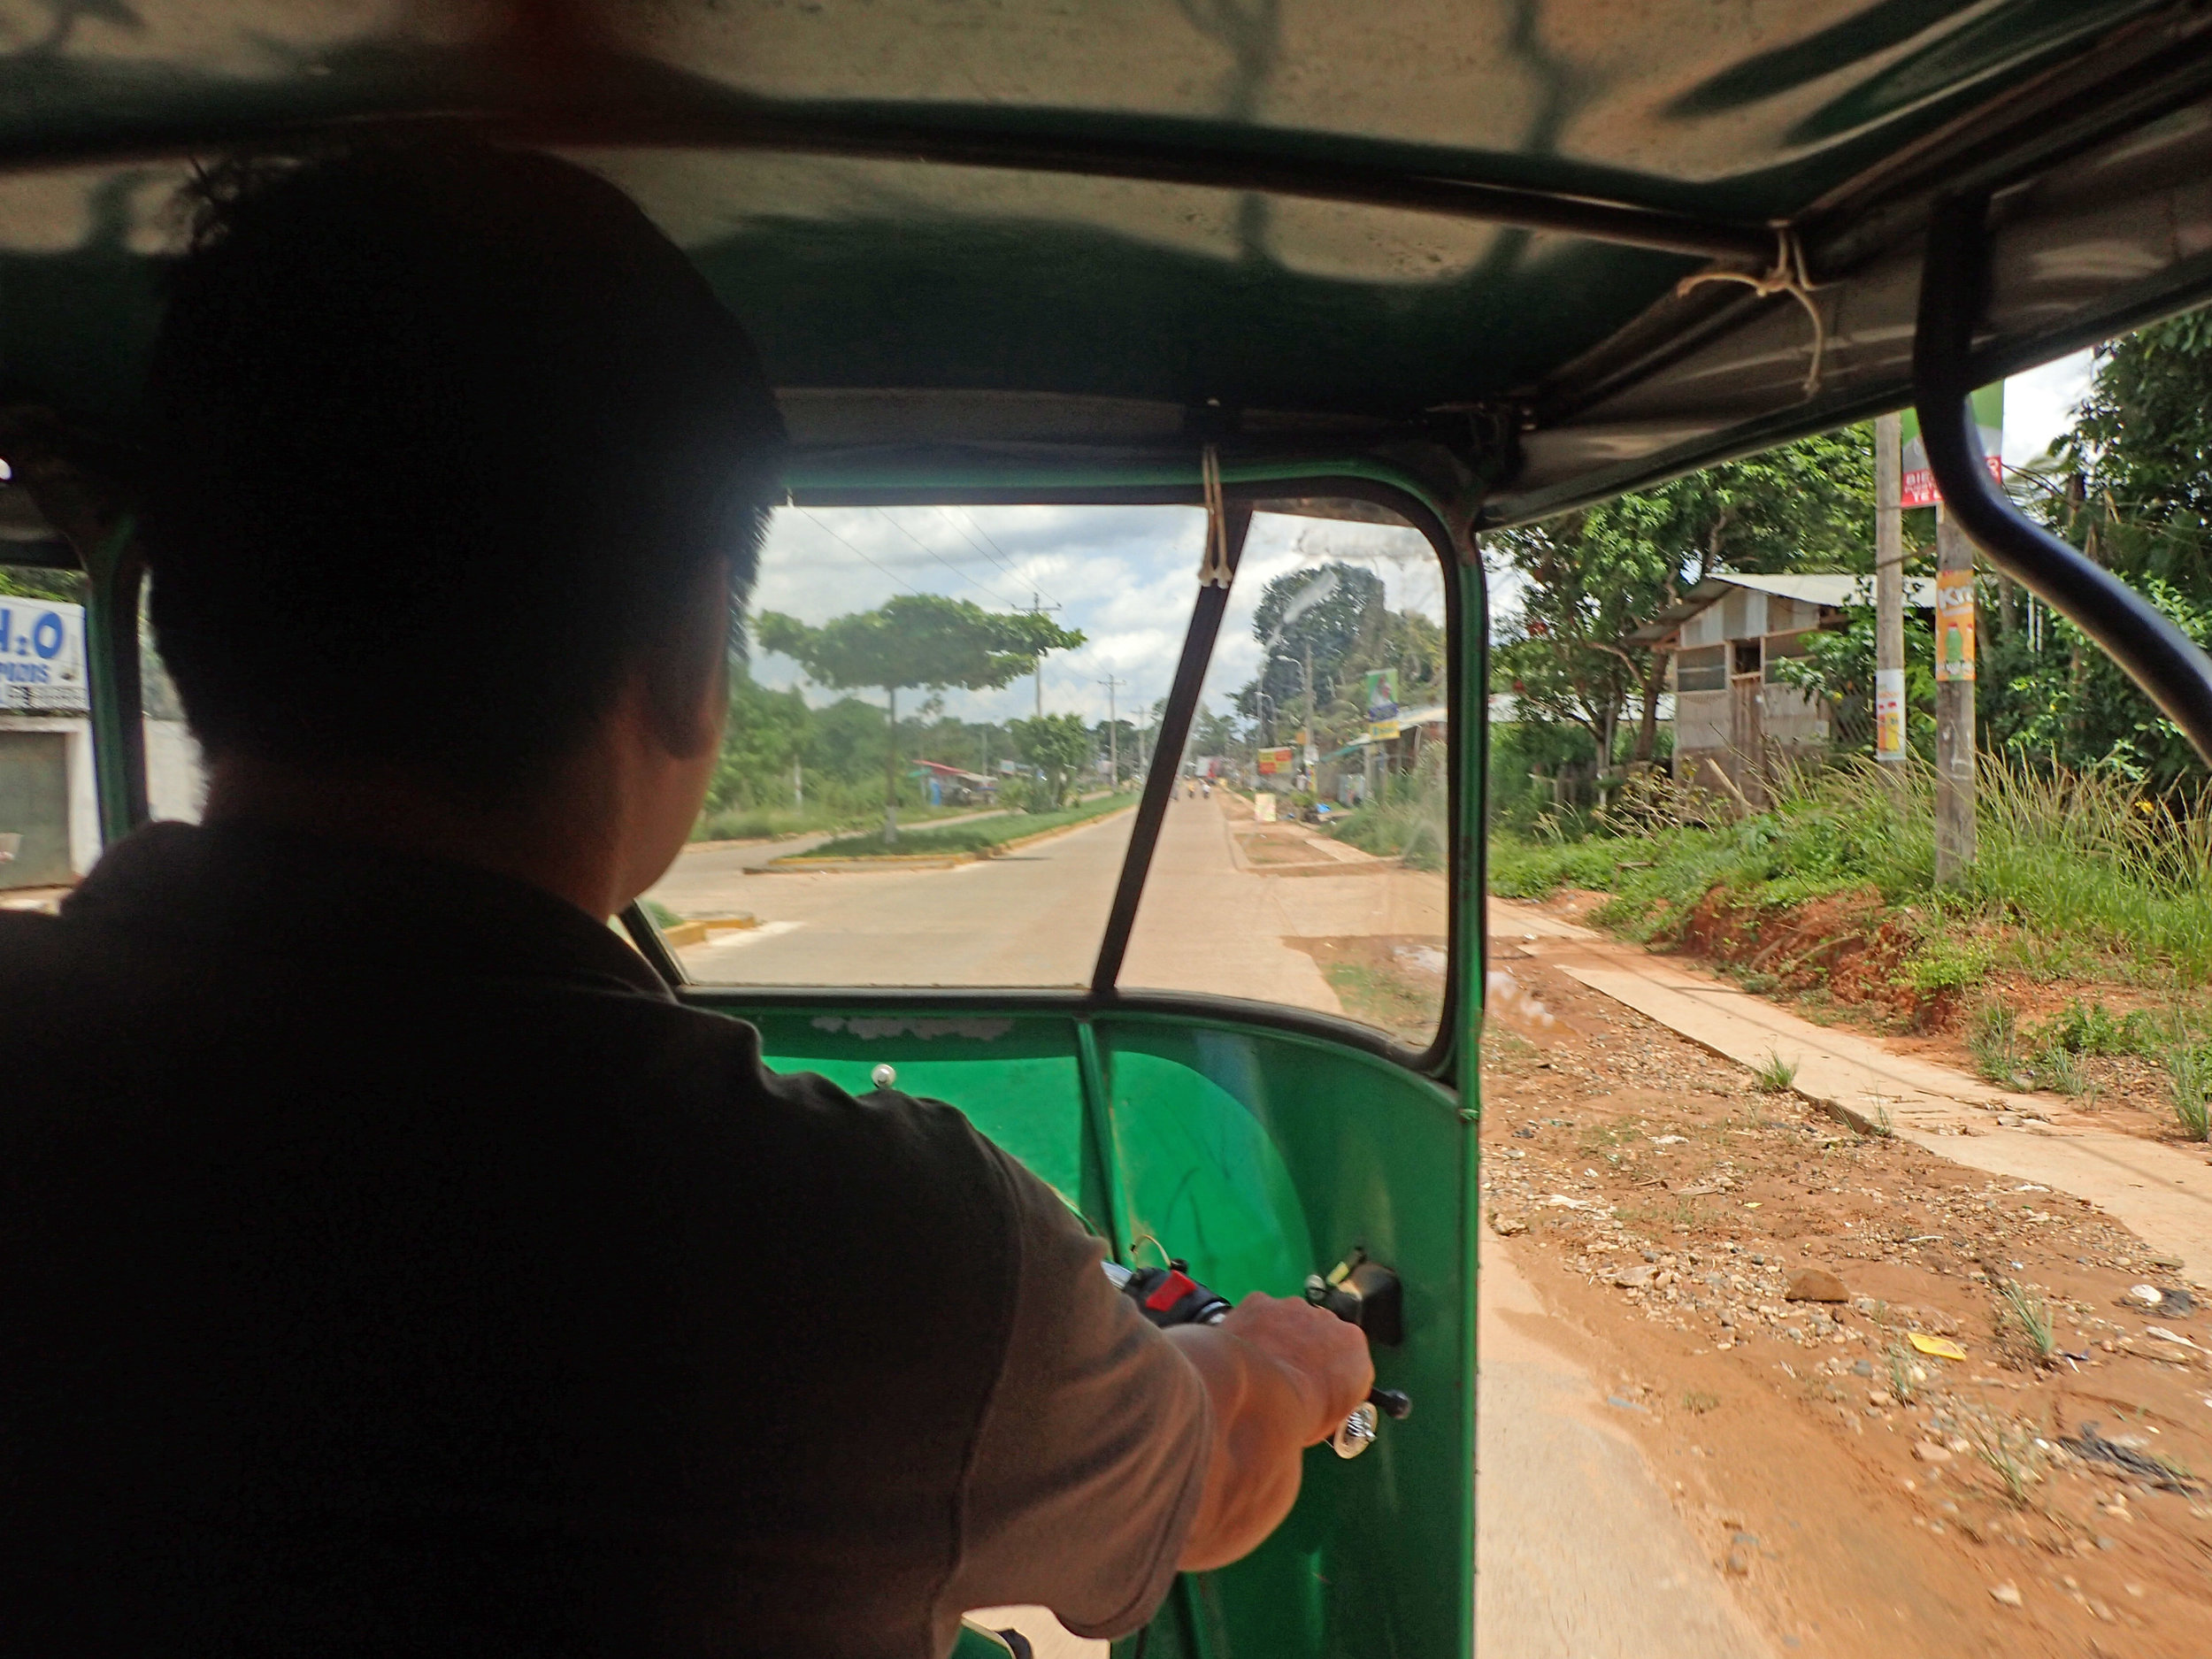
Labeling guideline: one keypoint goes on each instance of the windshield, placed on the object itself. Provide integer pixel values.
(969, 825)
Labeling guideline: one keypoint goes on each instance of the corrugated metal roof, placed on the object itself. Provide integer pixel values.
(1838, 590)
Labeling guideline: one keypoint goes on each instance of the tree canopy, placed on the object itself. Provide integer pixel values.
(1059, 746)
(918, 640)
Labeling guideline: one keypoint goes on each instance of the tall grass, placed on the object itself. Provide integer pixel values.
(2082, 872)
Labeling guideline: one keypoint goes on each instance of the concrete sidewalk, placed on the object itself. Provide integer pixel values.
(2162, 1193)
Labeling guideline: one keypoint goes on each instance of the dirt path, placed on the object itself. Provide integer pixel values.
(1860, 1496)
(2162, 1192)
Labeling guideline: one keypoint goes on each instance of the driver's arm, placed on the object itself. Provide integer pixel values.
(1280, 1375)
(1113, 1453)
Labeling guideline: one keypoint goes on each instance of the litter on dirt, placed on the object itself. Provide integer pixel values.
(2094, 1447)
(1938, 1347)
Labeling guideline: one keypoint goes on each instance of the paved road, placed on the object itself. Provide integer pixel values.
(1035, 917)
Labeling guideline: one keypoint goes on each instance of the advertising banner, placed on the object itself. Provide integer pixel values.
(1989, 415)
(1381, 685)
(1955, 625)
(1889, 713)
(1275, 763)
(1383, 731)
(41, 657)
(1263, 809)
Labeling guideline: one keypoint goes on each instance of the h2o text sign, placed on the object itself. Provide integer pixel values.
(41, 657)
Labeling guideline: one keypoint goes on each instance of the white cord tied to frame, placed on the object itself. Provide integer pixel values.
(1788, 277)
(1213, 569)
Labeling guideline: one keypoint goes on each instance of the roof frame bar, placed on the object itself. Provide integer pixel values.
(2172, 671)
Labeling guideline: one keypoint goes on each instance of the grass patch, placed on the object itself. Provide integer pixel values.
(2025, 1316)
(2189, 1089)
(1775, 1074)
(979, 836)
(1389, 1002)
(766, 823)
(2074, 873)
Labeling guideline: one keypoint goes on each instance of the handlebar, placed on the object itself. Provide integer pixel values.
(1169, 1295)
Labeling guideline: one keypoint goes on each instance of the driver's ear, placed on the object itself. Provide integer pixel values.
(687, 670)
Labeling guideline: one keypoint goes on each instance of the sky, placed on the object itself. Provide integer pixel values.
(1126, 576)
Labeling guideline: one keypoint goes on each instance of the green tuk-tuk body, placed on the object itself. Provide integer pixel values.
(1454, 266)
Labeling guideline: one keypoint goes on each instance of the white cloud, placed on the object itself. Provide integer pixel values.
(1126, 576)
(2040, 406)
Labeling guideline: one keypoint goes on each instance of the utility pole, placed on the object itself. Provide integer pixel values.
(1036, 609)
(1113, 732)
(1889, 590)
(1955, 701)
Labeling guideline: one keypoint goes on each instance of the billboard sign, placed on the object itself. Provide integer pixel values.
(1276, 763)
(1989, 415)
(1381, 689)
(41, 657)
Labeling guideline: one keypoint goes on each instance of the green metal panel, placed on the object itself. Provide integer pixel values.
(1260, 1155)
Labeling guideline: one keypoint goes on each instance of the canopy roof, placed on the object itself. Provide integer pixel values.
(1034, 245)
(1831, 591)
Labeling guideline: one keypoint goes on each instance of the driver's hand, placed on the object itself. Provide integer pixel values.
(1325, 1358)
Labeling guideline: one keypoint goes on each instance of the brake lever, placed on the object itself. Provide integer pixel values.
(1169, 1295)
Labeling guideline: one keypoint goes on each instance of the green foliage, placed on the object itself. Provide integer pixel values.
(2189, 1089)
(1946, 963)
(1774, 1074)
(1059, 746)
(27, 581)
(765, 733)
(1348, 631)
(1410, 822)
(915, 641)
(2070, 875)
(918, 640)
(979, 836)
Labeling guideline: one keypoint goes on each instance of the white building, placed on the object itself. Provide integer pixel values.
(1728, 636)
(50, 813)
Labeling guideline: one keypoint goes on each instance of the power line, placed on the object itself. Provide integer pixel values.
(942, 560)
(849, 547)
(1004, 560)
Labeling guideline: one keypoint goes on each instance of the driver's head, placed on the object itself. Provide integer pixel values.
(444, 445)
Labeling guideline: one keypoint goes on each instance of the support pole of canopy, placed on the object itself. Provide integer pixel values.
(2173, 673)
(1227, 524)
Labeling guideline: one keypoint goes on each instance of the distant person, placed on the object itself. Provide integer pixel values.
(391, 1264)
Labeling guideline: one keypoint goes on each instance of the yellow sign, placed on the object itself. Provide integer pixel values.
(1383, 731)
(1955, 625)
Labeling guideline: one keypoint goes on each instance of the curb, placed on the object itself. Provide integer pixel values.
(802, 864)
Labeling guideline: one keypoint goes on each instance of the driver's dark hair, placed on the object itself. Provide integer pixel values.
(436, 438)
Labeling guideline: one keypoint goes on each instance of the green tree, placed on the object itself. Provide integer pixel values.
(1059, 746)
(915, 641)
(766, 734)
(1593, 576)
(1318, 616)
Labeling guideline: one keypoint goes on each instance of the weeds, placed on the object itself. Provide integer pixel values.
(1905, 1375)
(1697, 1403)
(2189, 1089)
(2011, 1453)
(1774, 1075)
(1993, 1038)
(2023, 1314)
(2068, 866)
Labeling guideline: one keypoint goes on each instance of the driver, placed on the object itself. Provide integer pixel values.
(391, 1265)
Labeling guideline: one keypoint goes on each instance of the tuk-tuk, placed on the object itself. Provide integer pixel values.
(1418, 270)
